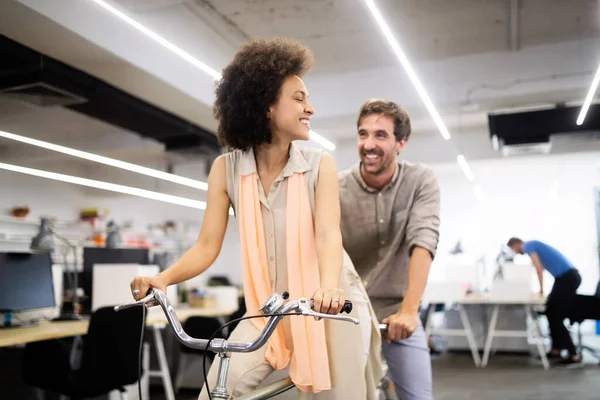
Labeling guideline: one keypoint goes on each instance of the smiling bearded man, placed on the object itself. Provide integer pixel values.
(390, 229)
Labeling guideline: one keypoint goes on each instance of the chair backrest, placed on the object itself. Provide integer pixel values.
(241, 311)
(200, 328)
(110, 356)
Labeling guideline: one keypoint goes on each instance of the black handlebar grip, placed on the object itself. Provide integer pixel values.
(347, 308)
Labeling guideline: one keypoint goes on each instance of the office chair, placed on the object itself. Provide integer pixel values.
(585, 307)
(109, 359)
(190, 360)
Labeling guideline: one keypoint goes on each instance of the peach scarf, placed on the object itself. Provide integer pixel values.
(309, 364)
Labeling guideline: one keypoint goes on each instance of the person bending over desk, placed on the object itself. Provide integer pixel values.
(560, 299)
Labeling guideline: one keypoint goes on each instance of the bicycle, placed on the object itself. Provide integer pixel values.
(274, 307)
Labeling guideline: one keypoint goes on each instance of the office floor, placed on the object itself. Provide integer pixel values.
(507, 377)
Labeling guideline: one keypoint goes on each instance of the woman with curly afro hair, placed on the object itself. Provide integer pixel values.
(285, 199)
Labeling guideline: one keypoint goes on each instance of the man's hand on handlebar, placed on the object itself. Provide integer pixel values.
(140, 286)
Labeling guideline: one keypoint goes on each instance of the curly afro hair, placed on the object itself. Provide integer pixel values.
(250, 84)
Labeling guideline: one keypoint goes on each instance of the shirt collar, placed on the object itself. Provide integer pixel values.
(296, 163)
(361, 181)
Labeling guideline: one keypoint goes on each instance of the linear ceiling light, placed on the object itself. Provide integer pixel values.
(182, 201)
(589, 97)
(188, 57)
(108, 161)
(159, 39)
(408, 68)
(465, 167)
(322, 141)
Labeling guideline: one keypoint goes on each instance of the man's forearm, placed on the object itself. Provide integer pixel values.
(418, 272)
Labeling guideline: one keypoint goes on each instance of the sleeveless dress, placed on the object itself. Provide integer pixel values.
(354, 350)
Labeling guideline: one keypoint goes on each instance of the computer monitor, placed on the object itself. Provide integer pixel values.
(103, 255)
(25, 283)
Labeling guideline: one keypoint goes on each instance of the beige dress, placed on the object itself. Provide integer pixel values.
(354, 350)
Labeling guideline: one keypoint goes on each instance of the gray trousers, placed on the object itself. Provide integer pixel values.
(409, 363)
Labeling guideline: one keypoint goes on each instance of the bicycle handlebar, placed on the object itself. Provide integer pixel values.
(272, 306)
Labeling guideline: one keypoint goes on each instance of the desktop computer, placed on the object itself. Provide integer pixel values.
(26, 283)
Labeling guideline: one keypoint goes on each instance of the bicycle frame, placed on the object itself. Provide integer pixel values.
(273, 306)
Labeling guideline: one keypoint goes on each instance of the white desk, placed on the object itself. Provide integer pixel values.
(527, 303)
(466, 331)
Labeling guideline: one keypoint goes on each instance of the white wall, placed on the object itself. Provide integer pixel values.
(548, 198)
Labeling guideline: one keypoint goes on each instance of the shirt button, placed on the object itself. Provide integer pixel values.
(272, 258)
(383, 242)
(380, 194)
(270, 234)
(381, 221)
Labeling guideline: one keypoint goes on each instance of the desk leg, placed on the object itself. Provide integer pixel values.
(428, 326)
(537, 336)
(469, 333)
(490, 336)
(162, 361)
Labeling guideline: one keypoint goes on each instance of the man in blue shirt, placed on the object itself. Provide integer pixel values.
(560, 299)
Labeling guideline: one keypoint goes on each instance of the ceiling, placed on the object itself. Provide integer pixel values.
(342, 36)
(473, 57)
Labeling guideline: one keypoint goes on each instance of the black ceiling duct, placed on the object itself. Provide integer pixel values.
(536, 127)
(30, 76)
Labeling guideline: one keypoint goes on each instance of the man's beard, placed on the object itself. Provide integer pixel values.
(383, 166)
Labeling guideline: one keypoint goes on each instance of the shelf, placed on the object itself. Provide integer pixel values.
(36, 222)
(9, 240)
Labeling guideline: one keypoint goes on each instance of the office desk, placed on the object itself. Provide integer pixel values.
(47, 330)
(44, 330)
(155, 319)
(528, 303)
(495, 302)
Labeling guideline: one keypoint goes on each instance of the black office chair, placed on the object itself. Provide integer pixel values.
(584, 308)
(241, 311)
(190, 360)
(109, 359)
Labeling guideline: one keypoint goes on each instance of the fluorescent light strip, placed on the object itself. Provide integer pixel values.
(108, 161)
(588, 98)
(182, 201)
(159, 39)
(465, 167)
(322, 141)
(188, 57)
(408, 68)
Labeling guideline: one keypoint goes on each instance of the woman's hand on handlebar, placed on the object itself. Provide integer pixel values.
(141, 284)
(328, 301)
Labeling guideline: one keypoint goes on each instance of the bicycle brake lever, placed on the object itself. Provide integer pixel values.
(145, 300)
(355, 321)
(305, 309)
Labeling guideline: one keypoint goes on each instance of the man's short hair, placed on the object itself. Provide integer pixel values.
(390, 109)
(513, 241)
